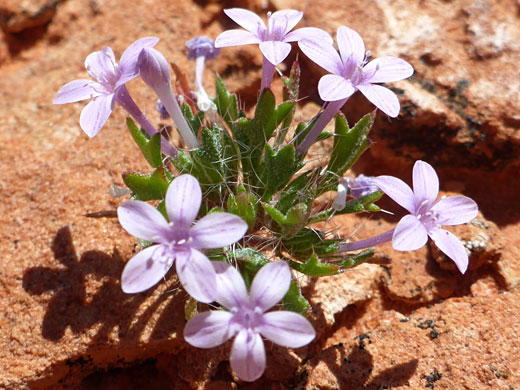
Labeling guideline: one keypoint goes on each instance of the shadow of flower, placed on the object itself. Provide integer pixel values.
(86, 291)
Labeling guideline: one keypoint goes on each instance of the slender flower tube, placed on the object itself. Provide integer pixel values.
(177, 241)
(351, 72)
(109, 88)
(246, 318)
(329, 112)
(126, 101)
(201, 49)
(273, 39)
(427, 215)
(155, 72)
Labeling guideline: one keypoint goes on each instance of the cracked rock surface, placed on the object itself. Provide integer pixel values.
(409, 320)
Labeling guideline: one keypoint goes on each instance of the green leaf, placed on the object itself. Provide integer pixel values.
(349, 144)
(209, 158)
(313, 267)
(265, 114)
(251, 135)
(275, 214)
(323, 136)
(252, 261)
(183, 162)
(291, 89)
(300, 190)
(211, 163)
(355, 260)
(226, 102)
(310, 241)
(150, 147)
(279, 168)
(195, 121)
(301, 132)
(147, 187)
(283, 111)
(245, 205)
(292, 222)
(352, 206)
(295, 301)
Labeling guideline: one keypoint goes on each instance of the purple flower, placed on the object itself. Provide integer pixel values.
(155, 72)
(177, 240)
(163, 113)
(273, 39)
(247, 320)
(202, 47)
(350, 71)
(110, 77)
(427, 214)
(357, 187)
(361, 186)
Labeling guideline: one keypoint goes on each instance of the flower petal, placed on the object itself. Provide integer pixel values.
(143, 221)
(387, 69)
(287, 329)
(451, 246)
(101, 65)
(183, 200)
(311, 33)
(95, 114)
(77, 90)
(216, 230)
(398, 190)
(270, 284)
(425, 183)
(455, 210)
(209, 329)
(248, 356)
(143, 272)
(332, 87)
(382, 98)
(323, 54)
(231, 289)
(288, 18)
(236, 38)
(197, 275)
(275, 51)
(409, 234)
(128, 68)
(350, 45)
(246, 19)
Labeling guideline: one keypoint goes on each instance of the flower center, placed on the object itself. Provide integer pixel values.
(247, 317)
(181, 243)
(354, 71)
(275, 28)
(428, 217)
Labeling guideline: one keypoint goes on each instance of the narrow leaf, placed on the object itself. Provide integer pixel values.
(150, 148)
(147, 187)
(313, 267)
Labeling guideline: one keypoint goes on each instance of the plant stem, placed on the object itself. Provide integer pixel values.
(126, 101)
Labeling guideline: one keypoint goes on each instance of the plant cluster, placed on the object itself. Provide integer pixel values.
(246, 181)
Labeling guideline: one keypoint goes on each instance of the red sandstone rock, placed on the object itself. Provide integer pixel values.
(482, 240)
(64, 321)
(462, 343)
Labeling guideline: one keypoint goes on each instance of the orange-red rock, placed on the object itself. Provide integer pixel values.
(64, 322)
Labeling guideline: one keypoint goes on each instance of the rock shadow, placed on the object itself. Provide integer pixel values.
(86, 291)
(352, 372)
